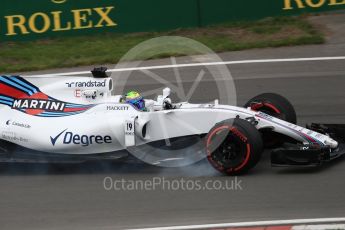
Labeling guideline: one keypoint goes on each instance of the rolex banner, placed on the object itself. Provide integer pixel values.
(35, 19)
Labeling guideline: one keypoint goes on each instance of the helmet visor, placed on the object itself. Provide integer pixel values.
(139, 103)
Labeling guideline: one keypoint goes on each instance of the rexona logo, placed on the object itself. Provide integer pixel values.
(69, 138)
(292, 4)
(86, 84)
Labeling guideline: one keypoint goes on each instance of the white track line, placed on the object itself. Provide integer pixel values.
(252, 224)
(319, 227)
(205, 64)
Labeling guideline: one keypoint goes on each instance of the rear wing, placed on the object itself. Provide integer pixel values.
(83, 90)
(53, 96)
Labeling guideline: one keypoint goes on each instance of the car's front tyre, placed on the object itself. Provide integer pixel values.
(277, 106)
(274, 105)
(234, 146)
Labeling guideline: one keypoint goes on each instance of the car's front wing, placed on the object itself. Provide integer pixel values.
(312, 155)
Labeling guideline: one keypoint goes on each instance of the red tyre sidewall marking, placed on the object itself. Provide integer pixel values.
(256, 107)
(237, 133)
(216, 165)
(271, 106)
(246, 160)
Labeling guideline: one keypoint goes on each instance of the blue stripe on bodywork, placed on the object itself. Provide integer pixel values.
(301, 134)
(6, 102)
(77, 106)
(6, 98)
(13, 84)
(62, 113)
(19, 81)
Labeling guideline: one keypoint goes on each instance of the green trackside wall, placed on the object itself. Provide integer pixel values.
(35, 19)
(218, 11)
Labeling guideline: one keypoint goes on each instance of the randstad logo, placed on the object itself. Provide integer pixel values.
(59, 21)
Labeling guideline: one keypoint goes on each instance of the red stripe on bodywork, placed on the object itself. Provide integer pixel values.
(74, 109)
(11, 92)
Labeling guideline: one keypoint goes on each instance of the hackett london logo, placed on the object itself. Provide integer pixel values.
(59, 20)
(299, 4)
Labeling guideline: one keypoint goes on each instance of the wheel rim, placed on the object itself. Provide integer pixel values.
(228, 153)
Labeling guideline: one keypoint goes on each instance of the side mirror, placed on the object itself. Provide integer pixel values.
(100, 72)
(160, 99)
(166, 92)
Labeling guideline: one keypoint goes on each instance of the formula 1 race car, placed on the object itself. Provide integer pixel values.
(74, 119)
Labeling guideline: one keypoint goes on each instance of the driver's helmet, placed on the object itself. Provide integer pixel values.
(135, 99)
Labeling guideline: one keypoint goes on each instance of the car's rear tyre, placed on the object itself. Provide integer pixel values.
(234, 146)
(6, 147)
(276, 106)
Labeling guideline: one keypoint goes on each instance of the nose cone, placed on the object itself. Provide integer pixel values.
(332, 143)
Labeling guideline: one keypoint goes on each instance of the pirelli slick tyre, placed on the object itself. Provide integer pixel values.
(234, 146)
(276, 106)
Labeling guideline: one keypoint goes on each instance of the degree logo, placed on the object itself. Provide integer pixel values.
(83, 140)
(8, 122)
(54, 139)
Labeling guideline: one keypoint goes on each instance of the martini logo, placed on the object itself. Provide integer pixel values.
(39, 104)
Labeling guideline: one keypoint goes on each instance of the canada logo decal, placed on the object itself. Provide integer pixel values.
(21, 95)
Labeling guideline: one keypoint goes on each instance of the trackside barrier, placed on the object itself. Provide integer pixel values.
(35, 19)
